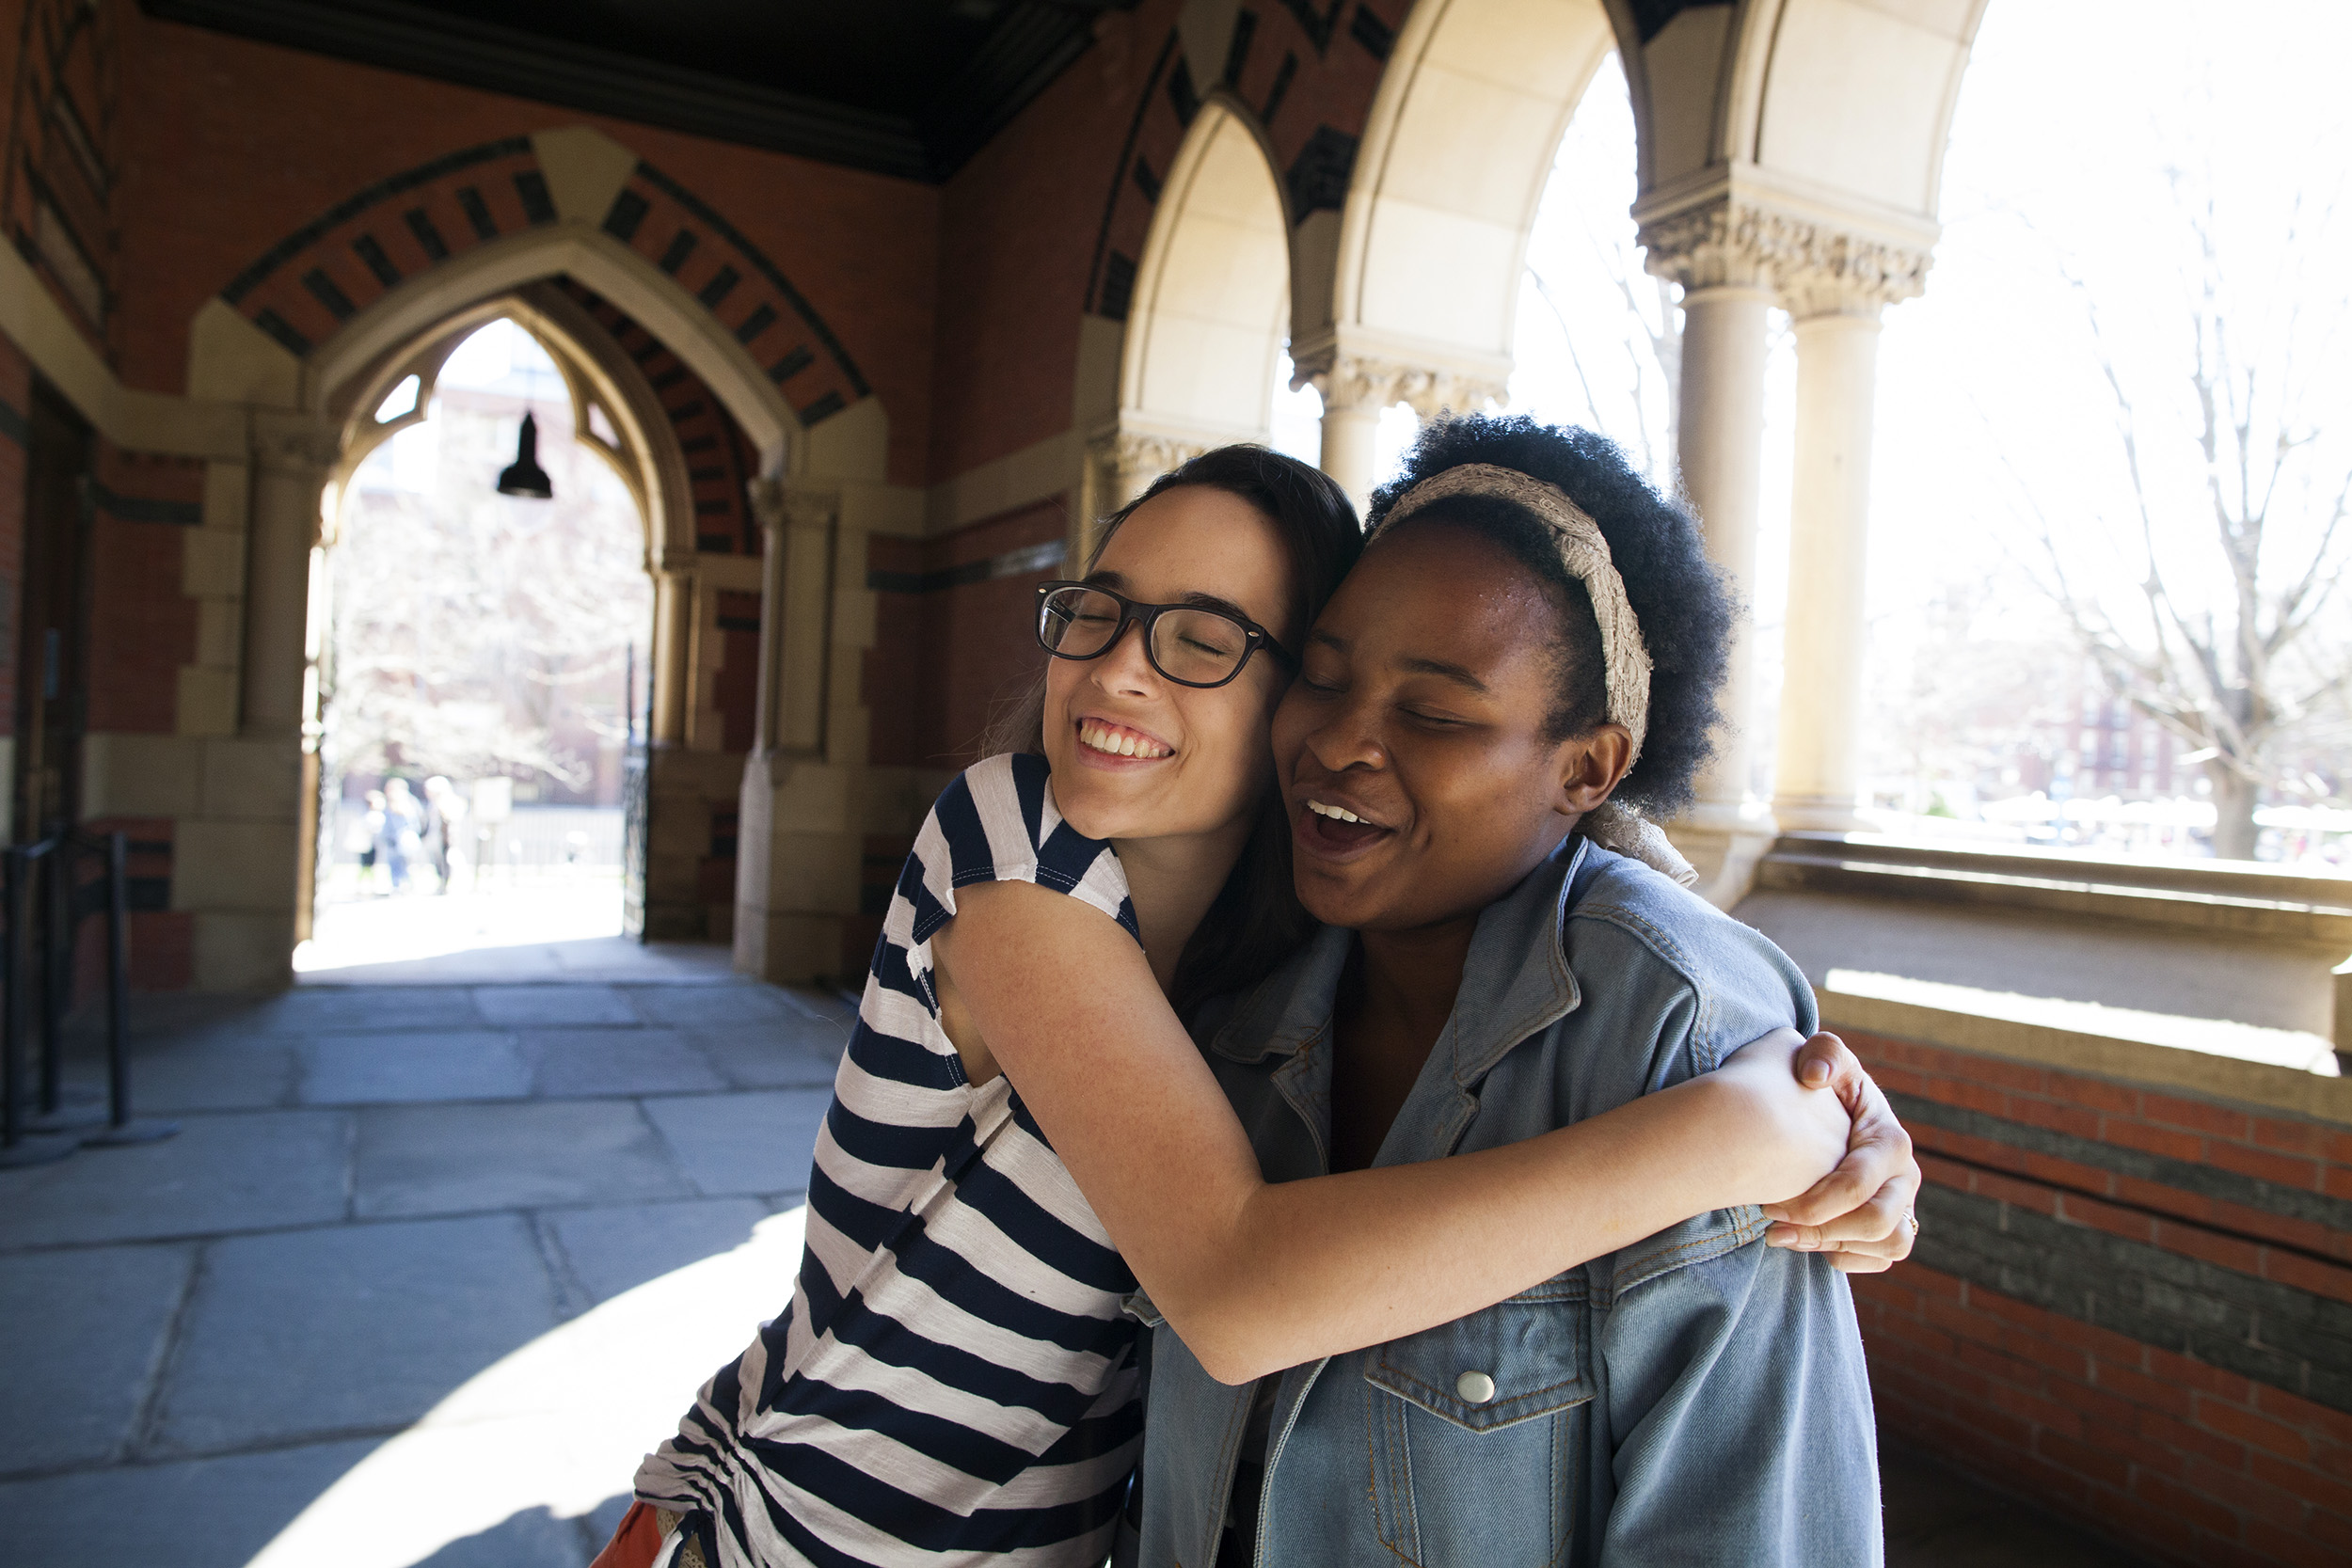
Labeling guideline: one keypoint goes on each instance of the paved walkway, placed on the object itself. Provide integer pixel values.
(431, 1265)
(426, 1271)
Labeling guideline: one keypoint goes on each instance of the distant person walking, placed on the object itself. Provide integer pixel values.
(402, 838)
(368, 837)
(444, 816)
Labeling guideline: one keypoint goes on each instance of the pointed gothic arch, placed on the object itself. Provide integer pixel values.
(1211, 293)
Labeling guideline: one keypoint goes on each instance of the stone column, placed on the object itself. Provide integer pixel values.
(672, 659)
(1719, 432)
(1835, 286)
(1357, 388)
(239, 855)
(770, 505)
(799, 828)
(291, 458)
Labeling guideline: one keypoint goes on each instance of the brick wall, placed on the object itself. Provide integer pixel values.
(2130, 1303)
(142, 626)
(233, 145)
(954, 640)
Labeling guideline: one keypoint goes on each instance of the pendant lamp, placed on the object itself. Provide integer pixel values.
(524, 477)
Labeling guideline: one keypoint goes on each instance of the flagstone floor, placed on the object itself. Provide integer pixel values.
(442, 1246)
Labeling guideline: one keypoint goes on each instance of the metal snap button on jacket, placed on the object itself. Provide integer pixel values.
(1475, 1388)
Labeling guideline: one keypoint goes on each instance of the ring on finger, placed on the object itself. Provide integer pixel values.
(1913, 1219)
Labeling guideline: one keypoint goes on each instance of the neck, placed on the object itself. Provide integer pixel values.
(1172, 881)
(1413, 975)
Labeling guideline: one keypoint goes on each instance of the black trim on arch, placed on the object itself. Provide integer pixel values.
(359, 201)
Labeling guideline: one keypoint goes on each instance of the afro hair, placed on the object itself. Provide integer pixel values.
(1680, 599)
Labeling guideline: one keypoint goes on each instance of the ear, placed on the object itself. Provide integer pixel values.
(1590, 766)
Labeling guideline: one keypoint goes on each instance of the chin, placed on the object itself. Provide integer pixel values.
(1086, 803)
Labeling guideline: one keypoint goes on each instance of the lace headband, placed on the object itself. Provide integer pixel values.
(1625, 658)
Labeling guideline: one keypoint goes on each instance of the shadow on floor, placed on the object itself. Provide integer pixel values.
(529, 1539)
(1938, 1517)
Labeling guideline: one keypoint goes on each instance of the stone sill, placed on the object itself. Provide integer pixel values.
(2219, 898)
(2196, 1071)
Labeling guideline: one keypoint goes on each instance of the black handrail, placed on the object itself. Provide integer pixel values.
(65, 910)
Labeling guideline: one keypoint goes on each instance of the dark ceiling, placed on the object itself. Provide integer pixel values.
(910, 88)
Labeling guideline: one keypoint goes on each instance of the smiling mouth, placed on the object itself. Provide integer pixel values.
(1334, 833)
(1117, 740)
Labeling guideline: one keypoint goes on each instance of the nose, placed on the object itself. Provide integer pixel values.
(1348, 737)
(1124, 669)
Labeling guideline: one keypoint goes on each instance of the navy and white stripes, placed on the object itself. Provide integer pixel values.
(953, 1380)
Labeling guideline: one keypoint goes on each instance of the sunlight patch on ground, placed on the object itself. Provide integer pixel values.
(559, 1424)
(430, 925)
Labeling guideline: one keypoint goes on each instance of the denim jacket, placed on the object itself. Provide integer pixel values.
(1696, 1398)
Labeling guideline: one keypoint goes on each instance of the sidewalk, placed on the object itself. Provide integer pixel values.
(427, 1269)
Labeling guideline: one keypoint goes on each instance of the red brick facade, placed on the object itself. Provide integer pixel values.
(954, 644)
(2132, 1305)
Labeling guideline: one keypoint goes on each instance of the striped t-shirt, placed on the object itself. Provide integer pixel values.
(954, 1381)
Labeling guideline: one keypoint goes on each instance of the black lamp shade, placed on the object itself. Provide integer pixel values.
(524, 477)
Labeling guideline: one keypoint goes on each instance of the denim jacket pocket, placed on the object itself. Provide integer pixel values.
(1520, 1358)
(1474, 1430)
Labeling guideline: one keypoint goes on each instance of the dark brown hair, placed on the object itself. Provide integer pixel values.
(1256, 920)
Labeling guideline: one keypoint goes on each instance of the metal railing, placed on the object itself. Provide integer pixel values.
(45, 901)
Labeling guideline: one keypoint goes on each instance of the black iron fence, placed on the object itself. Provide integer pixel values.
(44, 899)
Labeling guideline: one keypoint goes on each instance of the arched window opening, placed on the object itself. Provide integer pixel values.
(400, 401)
(1598, 340)
(486, 670)
(1597, 343)
(2111, 581)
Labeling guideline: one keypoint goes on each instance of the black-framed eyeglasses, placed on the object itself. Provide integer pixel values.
(1187, 644)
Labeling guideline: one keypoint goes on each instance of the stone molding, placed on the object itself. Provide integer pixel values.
(1816, 269)
(292, 444)
(1143, 451)
(778, 505)
(1366, 383)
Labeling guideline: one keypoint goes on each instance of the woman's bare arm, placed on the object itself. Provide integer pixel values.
(1257, 1276)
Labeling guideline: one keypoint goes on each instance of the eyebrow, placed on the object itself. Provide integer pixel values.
(1458, 674)
(1444, 670)
(1117, 582)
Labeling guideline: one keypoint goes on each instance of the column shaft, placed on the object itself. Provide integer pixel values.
(286, 487)
(1350, 448)
(672, 654)
(1818, 778)
(774, 546)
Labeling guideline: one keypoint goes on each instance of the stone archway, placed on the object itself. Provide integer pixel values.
(1790, 154)
(1425, 260)
(1209, 315)
(614, 415)
(340, 307)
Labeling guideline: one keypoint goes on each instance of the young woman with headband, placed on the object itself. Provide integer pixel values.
(1534, 635)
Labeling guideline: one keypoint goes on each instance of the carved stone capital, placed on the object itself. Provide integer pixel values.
(287, 444)
(1355, 383)
(1816, 269)
(778, 505)
(1137, 457)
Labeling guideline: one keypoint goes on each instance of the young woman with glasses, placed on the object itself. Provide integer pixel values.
(955, 1379)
